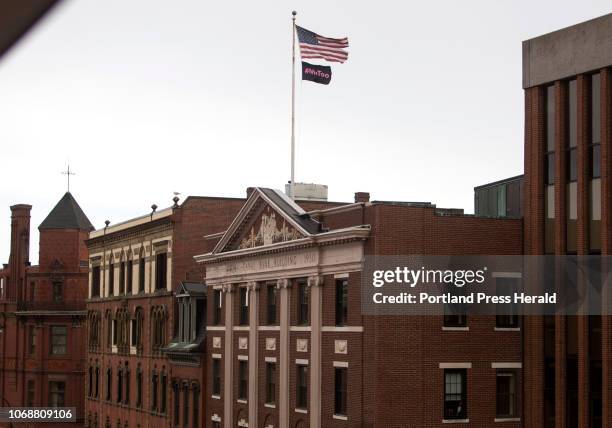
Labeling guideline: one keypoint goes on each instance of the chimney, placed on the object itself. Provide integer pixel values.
(20, 248)
(362, 197)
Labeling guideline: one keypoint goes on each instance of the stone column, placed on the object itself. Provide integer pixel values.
(315, 283)
(283, 378)
(228, 378)
(252, 288)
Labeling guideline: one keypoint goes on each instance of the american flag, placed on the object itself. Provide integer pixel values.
(314, 46)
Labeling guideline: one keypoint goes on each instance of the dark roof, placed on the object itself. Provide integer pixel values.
(309, 224)
(502, 181)
(67, 214)
(192, 288)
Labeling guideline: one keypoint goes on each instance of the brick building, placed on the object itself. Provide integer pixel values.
(42, 311)
(287, 344)
(568, 179)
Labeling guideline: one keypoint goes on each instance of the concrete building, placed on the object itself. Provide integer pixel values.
(568, 181)
(42, 311)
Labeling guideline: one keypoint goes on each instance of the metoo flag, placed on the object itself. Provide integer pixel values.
(316, 73)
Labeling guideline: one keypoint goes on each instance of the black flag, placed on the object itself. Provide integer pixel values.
(316, 73)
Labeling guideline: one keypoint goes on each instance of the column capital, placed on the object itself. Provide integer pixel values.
(252, 286)
(282, 283)
(227, 288)
(315, 281)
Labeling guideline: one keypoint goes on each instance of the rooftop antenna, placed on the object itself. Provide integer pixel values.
(68, 173)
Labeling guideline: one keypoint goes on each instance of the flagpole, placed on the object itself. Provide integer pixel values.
(292, 187)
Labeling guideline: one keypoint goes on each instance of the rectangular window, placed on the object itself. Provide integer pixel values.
(139, 388)
(31, 393)
(217, 307)
(163, 392)
(550, 118)
(270, 383)
(573, 113)
(302, 301)
(176, 405)
(216, 376)
(454, 315)
(595, 215)
(31, 339)
(115, 331)
(506, 394)
(507, 314)
(95, 281)
(56, 394)
(341, 301)
(549, 221)
(271, 304)
(550, 168)
(161, 266)
(340, 390)
(244, 306)
(141, 275)
(58, 340)
(186, 407)
(129, 277)
(243, 379)
(122, 278)
(572, 217)
(196, 407)
(302, 387)
(111, 279)
(58, 292)
(154, 392)
(455, 394)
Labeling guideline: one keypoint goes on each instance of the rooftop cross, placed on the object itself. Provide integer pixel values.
(68, 173)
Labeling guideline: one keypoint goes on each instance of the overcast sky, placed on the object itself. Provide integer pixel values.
(148, 97)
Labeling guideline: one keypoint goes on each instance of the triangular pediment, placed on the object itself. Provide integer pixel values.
(267, 218)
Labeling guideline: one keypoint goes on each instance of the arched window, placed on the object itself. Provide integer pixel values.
(109, 383)
(137, 326)
(163, 382)
(158, 328)
(122, 318)
(119, 384)
(126, 374)
(154, 378)
(97, 381)
(141, 270)
(108, 317)
(93, 318)
(122, 274)
(90, 381)
(138, 386)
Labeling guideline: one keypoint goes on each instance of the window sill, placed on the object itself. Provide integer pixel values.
(507, 419)
(507, 329)
(270, 405)
(298, 410)
(216, 397)
(340, 417)
(241, 401)
(455, 329)
(455, 421)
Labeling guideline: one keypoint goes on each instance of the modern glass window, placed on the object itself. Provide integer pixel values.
(455, 394)
(549, 223)
(217, 307)
(95, 281)
(31, 394)
(302, 386)
(270, 383)
(340, 390)
(57, 391)
(595, 215)
(506, 396)
(302, 302)
(341, 302)
(243, 379)
(244, 306)
(58, 339)
(271, 304)
(216, 376)
(572, 217)
(549, 226)
(161, 270)
(111, 279)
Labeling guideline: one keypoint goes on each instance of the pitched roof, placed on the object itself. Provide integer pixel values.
(67, 214)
